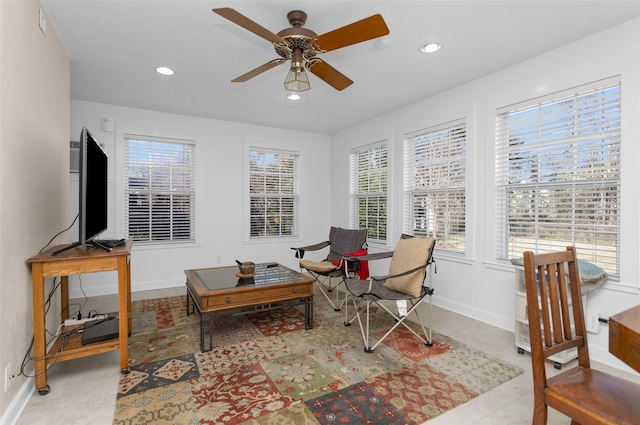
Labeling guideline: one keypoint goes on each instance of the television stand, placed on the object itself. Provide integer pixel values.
(99, 245)
(66, 248)
(74, 262)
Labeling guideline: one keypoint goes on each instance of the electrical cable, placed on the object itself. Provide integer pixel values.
(65, 336)
(59, 233)
(83, 293)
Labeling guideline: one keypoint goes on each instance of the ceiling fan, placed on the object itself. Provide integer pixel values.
(302, 46)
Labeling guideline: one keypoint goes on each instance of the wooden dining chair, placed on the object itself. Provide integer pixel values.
(586, 395)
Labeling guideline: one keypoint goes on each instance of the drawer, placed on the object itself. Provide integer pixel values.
(256, 295)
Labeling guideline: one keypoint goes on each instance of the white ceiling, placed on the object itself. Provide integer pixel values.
(114, 47)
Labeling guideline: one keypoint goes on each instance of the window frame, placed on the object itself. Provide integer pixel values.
(170, 190)
(358, 175)
(570, 135)
(294, 196)
(448, 185)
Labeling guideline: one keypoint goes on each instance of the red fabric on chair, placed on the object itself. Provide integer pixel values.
(363, 271)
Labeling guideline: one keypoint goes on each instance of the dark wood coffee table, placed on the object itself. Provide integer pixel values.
(221, 290)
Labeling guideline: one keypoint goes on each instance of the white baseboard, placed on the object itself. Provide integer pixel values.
(19, 402)
(506, 323)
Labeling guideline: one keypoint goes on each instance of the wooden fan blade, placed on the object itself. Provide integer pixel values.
(246, 23)
(357, 32)
(329, 75)
(259, 70)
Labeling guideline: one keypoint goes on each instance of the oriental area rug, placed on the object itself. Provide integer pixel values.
(265, 368)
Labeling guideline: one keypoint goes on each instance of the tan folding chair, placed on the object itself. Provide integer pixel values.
(406, 280)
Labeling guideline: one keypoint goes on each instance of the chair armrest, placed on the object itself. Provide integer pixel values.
(315, 247)
(369, 257)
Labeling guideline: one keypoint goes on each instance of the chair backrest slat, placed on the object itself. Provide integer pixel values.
(550, 292)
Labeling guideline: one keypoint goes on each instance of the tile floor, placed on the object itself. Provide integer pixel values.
(83, 390)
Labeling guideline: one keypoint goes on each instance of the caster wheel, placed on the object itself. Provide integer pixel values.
(45, 390)
(520, 350)
(125, 371)
(557, 365)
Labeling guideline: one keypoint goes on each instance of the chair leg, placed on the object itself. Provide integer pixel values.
(364, 331)
(540, 414)
(320, 284)
(428, 340)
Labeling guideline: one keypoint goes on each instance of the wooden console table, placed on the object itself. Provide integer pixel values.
(79, 260)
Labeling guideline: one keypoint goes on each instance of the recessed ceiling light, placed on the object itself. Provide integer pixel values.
(430, 47)
(164, 70)
(293, 96)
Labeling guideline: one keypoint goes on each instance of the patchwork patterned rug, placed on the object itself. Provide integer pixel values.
(265, 369)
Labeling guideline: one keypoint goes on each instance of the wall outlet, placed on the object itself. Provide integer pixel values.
(591, 321)
(7, 377)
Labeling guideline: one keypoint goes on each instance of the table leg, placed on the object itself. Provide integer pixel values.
(39, 324)
(308, 313)
(129, 313)
(210, 332)
(64, 298)
(191, 310)
(124, 314)
(202, 332)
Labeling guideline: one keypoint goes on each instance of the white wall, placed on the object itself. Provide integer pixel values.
(34, 189)
(221, 191)
(477, 285)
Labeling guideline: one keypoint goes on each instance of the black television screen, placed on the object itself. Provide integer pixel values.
(93, 188)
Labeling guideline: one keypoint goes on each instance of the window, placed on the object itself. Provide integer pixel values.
(434, 184)
(558, 175)
(369, 192)
(159, 190)
(273, 193)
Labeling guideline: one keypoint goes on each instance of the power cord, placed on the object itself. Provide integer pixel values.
(59, 334)
(59, 233)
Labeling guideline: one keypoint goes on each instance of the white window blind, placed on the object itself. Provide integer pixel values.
(558, 175)
(434, 184)
(159, 190)
(368, 182)
(273, 193)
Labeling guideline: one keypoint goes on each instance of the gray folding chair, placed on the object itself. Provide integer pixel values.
(406, 280)
(329, 273)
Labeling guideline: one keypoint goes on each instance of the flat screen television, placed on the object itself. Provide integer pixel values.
(92, 184)
(93, 173)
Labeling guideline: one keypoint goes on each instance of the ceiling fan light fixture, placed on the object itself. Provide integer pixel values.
(297, 79)
(430, 47)
(164, 70)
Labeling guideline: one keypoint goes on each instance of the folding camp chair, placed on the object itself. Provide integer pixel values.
(341, 242)
(406, 281)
